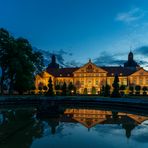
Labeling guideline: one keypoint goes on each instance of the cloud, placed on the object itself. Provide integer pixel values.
(64, 52)
(134, 14)
(73, 63)
(106, 59)
(143, 50)
(64, 58)
(140, 134)
(142, 54)
(60, 56)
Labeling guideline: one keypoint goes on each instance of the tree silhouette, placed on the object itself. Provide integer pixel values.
(122, 88)
(137, 88)
(107, 91)
(144, 90)
(50, 91)
(85, 91)
(93, 91)
(45, 88)
(19, 63)
(115, 85)
(6, 42)
(64, 89)
(58, 89)
(102, 91)
(71, 88)
(131, 88)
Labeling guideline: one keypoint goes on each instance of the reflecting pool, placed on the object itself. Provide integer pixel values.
(72, 127)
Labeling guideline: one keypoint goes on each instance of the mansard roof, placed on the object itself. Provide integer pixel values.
(118, 70)
(140, 71)
(111, 71)
(61, 72)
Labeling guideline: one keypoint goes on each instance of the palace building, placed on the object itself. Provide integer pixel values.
(92, 77)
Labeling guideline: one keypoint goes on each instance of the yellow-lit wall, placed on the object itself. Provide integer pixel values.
(93, 77)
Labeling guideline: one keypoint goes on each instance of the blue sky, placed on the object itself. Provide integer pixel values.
(103, 30)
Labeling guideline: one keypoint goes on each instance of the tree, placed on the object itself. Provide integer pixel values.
(115, 85)
(38, 60)
(6, 42)
(23, 75)
(131, 88)
(107, 91)
(58, 89)
(137, 88)
(144, 90)
(45, 88)
(102, 91)
(71, 88)
(93, 91)
(50, 88)
(85, 91)
(19, 63)
(64, 89)
(122, 88)
(40, 89)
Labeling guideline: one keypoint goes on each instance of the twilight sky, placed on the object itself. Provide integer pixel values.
(76, 30)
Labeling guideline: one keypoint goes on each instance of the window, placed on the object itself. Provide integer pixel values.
(97, 82)
(97, 74)
(82, 82)
(124, 81)
(141, 81)
(82, 75)
(134, 81)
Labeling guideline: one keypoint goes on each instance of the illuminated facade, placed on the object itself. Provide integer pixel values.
(91, 77)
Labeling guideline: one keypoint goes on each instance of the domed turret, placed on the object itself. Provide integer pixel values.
(53, 63)
(130, 56)
(131, 63)
(53, 59)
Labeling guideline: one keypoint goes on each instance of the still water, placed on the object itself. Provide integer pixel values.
(71, 128)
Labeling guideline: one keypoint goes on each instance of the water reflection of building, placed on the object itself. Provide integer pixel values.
(91, 77)
(90, 118)
(23, 129)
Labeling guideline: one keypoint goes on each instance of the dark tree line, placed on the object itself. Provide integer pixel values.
(63, 89)
(19, 63)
